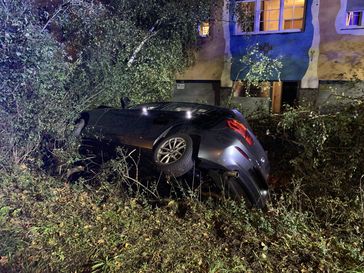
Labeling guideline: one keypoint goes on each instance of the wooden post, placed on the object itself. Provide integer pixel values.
(277, 97)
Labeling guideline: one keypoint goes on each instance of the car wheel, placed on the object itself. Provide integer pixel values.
(173, 155)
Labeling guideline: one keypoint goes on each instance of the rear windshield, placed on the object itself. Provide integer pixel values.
(178, 107)
(181, 107)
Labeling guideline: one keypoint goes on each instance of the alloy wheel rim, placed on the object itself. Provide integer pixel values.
(171, 150)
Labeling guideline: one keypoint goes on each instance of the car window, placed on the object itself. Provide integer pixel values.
(178, 107)
(149, 106)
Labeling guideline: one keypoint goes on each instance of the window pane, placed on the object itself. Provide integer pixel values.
(353, 18)
(293, 14)
(245, 16)
(293, 24)
(204, 29)
(298, 12)
(269, 25)
(269, 16)
(288, 13)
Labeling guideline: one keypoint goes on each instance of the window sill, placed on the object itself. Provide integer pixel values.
(352, 28)
(268, 32)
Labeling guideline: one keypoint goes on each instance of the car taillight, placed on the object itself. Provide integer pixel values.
(241, 130)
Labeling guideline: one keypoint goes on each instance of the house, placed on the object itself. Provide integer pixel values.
(320, 44)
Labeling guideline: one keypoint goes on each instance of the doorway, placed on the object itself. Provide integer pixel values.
(289, 93)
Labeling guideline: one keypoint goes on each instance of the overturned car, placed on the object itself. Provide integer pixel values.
(179, 136)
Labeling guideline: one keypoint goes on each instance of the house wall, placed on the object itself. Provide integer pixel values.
(341, 51)
(199, 92)
(292, 47)
(209, 59)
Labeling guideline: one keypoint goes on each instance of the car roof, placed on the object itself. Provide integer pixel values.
(183, 106)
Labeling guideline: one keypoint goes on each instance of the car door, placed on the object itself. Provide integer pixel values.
(156, 122)
(123, 126)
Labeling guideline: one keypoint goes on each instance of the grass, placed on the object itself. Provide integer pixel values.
(51, 226)
(314, 222)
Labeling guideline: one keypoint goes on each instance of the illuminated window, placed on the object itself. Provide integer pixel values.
(204, 29)
(269, 15)
(293, 14)
(353, 18)
(354, 13)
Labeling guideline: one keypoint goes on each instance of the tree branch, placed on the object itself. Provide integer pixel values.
(142, 43)
(233, 87)
(55, 14)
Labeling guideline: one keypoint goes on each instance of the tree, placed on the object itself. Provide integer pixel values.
(135, 48)
(33, 77)
(84, 54)
(255, 68)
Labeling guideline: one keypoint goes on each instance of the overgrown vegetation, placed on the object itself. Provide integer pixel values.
(314, 222)
(59, 60)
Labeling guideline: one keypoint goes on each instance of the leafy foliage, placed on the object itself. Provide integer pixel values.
(259, 66)
(47, 225)
(82, 55)
(60, 228)
(255, 68)
(334, 144)
(33, 77)
(314, 223)
(135, 48)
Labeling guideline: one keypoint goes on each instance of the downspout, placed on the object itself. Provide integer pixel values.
(225, 75)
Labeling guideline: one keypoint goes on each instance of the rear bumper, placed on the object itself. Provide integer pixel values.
(255, 186)
(252, 175)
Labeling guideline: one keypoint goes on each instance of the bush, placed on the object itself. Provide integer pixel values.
(82, 55)
(314, 223)
(34, 99)
(330, 161)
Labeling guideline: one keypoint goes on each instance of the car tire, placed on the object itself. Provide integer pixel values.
(173, 155)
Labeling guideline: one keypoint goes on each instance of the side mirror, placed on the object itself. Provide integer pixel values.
(124, 101)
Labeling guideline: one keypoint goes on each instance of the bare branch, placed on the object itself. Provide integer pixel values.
(142, 43)
(55, 14)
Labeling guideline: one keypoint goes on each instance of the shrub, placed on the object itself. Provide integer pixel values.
(331, 145)
(83, 55)
(34, 99)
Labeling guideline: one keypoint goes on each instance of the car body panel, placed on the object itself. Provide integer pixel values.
(217, 146)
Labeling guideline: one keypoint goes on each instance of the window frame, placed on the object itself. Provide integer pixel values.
(257, 15)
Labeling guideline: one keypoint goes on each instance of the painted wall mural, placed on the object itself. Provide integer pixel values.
(342, 45)
(292, 46)
(329, 47)
(318, 40)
